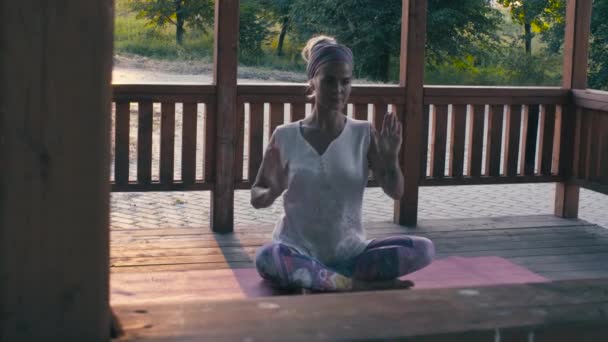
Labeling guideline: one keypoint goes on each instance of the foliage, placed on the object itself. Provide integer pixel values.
(253, 30)
(196, 14)
(536, 16)
(455, 28)
(598, 54)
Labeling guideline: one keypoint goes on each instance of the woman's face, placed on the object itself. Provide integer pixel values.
(332, 86)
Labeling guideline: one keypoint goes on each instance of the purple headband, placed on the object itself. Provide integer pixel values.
(327, 52)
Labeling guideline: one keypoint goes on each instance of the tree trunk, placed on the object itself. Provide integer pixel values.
(383, 65)
(528, 38)
(179, 29)
(282, 35)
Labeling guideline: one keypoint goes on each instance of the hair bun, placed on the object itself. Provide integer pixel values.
(314, 41)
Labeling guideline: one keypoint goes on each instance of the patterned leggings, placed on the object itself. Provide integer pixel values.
(383, 259)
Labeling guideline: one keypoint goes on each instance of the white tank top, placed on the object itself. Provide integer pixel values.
(324, 196)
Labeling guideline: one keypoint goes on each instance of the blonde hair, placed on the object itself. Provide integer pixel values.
(314, 41)
(306, 52)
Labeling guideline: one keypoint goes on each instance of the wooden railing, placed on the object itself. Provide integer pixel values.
(491, 135)
(471, 135)
(590, 162)
(163, 159)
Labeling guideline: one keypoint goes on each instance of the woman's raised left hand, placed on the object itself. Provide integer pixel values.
(389, 141)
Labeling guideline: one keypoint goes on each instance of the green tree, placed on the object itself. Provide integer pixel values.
(598, 47)
(536, 16)
(253, 29)
(454, 29)
(197, 14)
(279, 11)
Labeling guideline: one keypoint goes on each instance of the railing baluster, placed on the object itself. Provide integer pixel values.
(512, 143)
(603, 150)
(458, 127)
(441, 126)
(593, 150)
(256, 138)
(189, 143)
(209, 150)
(380, 110)
(360, 111)
(476, 145)
(240, 142)
(121, 154)
(167, 142)
(424, 141)
(298, 111)
(144, 143)
(277, 111)
(548, 129)
(495, 118)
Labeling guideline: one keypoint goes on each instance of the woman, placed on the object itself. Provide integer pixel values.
(321, 163)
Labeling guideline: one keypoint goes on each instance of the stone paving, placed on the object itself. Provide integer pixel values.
(191, 209)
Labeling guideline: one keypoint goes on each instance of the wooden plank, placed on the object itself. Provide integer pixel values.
(240, 142)
(360, 111)
(210, 124)
(144, 143)
(133, 90)
(592, 147)
(411, 78)
(121, 155)
(298, 111)
(167, 142)
(439, 143)
(448, 181)
(493, 151)
(55, 118)
(591, 99)
(276, 116)
(256, 138)
(476, 145)
(491, 91)
(189, 143)
(488, 313)
(547, 141)
(585, 154)
(512, 139)
(459, 118)
(425, 159)
(157, 186)
(603, 151)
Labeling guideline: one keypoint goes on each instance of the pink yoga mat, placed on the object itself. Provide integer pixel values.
(130, 288)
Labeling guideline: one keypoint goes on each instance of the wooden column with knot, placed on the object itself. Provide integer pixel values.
(576, 47)
(225, 78)
(411, 77)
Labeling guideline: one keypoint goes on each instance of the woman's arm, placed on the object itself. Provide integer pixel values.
(383, 155)
(271, 179)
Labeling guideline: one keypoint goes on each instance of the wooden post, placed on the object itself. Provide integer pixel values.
(411, 76)
(576, 46)
(55, 102)
(224, 75)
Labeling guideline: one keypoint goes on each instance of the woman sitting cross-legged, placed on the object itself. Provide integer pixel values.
(320, 164)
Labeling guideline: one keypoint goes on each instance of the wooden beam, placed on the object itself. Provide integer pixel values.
(411, 77)
(576, 47)
(225, 75)
(55, 108)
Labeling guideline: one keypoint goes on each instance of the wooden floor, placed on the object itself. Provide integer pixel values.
(553, 248)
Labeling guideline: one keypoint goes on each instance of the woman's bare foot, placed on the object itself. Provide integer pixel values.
(360, 285)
